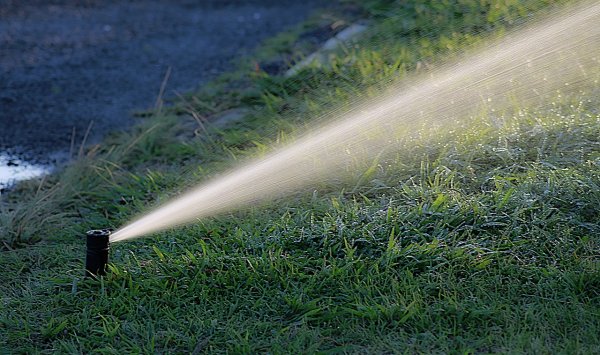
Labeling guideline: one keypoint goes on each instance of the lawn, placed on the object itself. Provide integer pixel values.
(481, 240)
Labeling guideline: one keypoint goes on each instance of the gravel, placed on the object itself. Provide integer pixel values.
(72, 64)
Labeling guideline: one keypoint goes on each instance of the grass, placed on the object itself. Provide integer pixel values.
(480, 241)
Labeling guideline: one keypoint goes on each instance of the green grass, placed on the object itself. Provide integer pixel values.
(481, 241)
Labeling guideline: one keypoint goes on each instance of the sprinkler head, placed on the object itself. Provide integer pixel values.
(97, 252)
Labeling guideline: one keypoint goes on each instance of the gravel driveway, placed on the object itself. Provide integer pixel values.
(65, 65)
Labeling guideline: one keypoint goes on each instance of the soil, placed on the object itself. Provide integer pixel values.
(76, 64)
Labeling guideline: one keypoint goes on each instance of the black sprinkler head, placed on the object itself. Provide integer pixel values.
(97, 252)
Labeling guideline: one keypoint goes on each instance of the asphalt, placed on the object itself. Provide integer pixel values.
(76, 63)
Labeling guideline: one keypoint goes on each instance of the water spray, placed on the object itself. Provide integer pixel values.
(561, 53)
(96, 258)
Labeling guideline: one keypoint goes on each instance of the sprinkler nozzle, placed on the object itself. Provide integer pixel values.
(96, 257)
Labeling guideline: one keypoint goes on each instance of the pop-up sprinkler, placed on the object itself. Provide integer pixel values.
(97, 252)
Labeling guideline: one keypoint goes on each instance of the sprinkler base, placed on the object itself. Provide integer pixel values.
(96, 258)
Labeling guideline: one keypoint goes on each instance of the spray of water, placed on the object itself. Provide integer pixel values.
(560, 53)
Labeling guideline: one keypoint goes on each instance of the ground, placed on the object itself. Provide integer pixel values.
(71, 63)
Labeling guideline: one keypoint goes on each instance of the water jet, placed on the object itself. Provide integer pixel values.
(558, 55)
(96, 257)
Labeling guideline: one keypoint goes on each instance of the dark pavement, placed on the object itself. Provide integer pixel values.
(65, 65)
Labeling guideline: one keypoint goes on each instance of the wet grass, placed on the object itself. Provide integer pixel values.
(479, 241)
